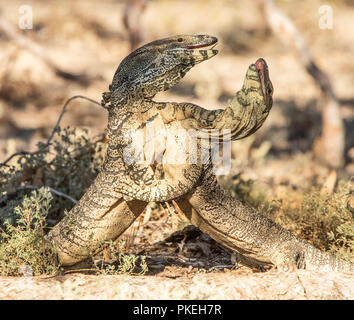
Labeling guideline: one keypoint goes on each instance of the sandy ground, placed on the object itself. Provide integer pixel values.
(227, 286)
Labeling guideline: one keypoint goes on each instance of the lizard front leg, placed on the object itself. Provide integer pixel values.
(244, 115)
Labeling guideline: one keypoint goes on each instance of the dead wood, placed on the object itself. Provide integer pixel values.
(132, 21)
(329, 147)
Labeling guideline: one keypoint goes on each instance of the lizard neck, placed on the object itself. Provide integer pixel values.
(119, 113)
(132, 106)
(123, 100)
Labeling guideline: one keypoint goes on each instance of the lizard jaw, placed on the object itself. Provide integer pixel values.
(212, 43)
(205, 53)
(266, 84)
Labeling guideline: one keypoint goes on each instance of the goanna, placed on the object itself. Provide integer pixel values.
(103, 212)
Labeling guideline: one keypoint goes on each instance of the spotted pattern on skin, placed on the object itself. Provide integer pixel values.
(112, 202)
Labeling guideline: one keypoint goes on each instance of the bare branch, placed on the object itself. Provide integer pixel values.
(132, 21)
(58, 193)
(330, 146)
(47, 144)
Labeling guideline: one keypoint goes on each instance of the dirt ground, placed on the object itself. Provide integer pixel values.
(225, 286)
(89, 37)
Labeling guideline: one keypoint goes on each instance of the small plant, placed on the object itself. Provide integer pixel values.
(342, 240)
(324, 219)
(68, 165)
(122, 262)
(249, 192)
(22, 246)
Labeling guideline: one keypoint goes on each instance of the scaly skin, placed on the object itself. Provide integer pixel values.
(103, 214)
(244, 115)
(148, 70)
(259, 240)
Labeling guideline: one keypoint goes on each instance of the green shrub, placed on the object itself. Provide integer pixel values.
(320, 217)
(22, 246)
(68, 165)
(122, 262)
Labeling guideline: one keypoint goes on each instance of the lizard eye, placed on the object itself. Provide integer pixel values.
(179, 39)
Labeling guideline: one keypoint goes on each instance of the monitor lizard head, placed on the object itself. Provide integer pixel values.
(257, 86)
(252, 104)
(155, 67)
(266, 84)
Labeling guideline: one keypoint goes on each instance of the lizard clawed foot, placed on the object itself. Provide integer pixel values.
(177, 208)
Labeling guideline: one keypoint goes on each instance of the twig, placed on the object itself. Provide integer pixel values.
(177, 208)
(170, 209)
(81, 270)
(58, 193)
(132, 21)
(47, 144)
(26, 43)
(2, 231)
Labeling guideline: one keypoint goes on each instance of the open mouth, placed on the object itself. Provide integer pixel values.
(260, 65)
(203, 45)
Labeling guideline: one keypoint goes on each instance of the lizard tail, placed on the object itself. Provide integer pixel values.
(315, 259)
(257, 238)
